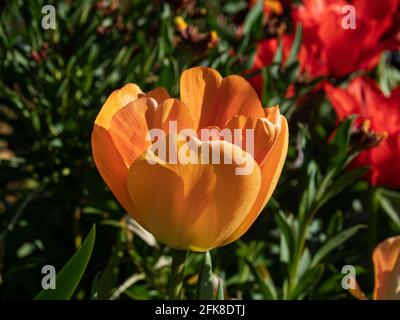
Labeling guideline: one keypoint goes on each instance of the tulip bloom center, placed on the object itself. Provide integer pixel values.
(186, 147)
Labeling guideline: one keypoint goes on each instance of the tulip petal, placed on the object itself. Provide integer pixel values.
(193, 206)
(128, 129)
(214, 100)
(234, 97)
(337, 40)
(342, 102)
(386, 259)
(270, 173)
(357, 292)
(378, 10)
(272, 114)
(364, 98)
(111, 166)
(130, 126)
(117, 100)
(198, 87)
(159, 94)
(372, 104)
(171, 110)
(263, 133)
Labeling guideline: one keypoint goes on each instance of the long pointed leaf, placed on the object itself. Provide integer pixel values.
(333, 243)
(68, 278)
(205, 288)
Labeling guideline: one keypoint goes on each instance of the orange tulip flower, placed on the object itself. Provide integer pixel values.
(190, 206)
(386, 260)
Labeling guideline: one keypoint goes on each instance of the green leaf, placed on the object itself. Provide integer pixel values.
(220, 290)
(251, 19)
(266, 285)
(388, 74)
(312, 172)
(264, 93)
(275, 67)
(304, 263)
(278, 54)
(294, 51)
(94, 292)
(333, 243)
(390, 203)
(139, 292)
(335, 224)
(68, 278)
(307, 282)
(85, 11)
(205, 288)
(340, 143)
(307, 88)
(290, 74)
(107, 280)
(342, 182)
(232, 8)
(287, 233)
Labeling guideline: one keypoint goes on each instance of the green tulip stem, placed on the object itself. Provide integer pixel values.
(176, 277)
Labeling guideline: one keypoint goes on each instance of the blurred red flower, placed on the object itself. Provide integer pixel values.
(364, 99)
(265, 52)
(330, 50)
